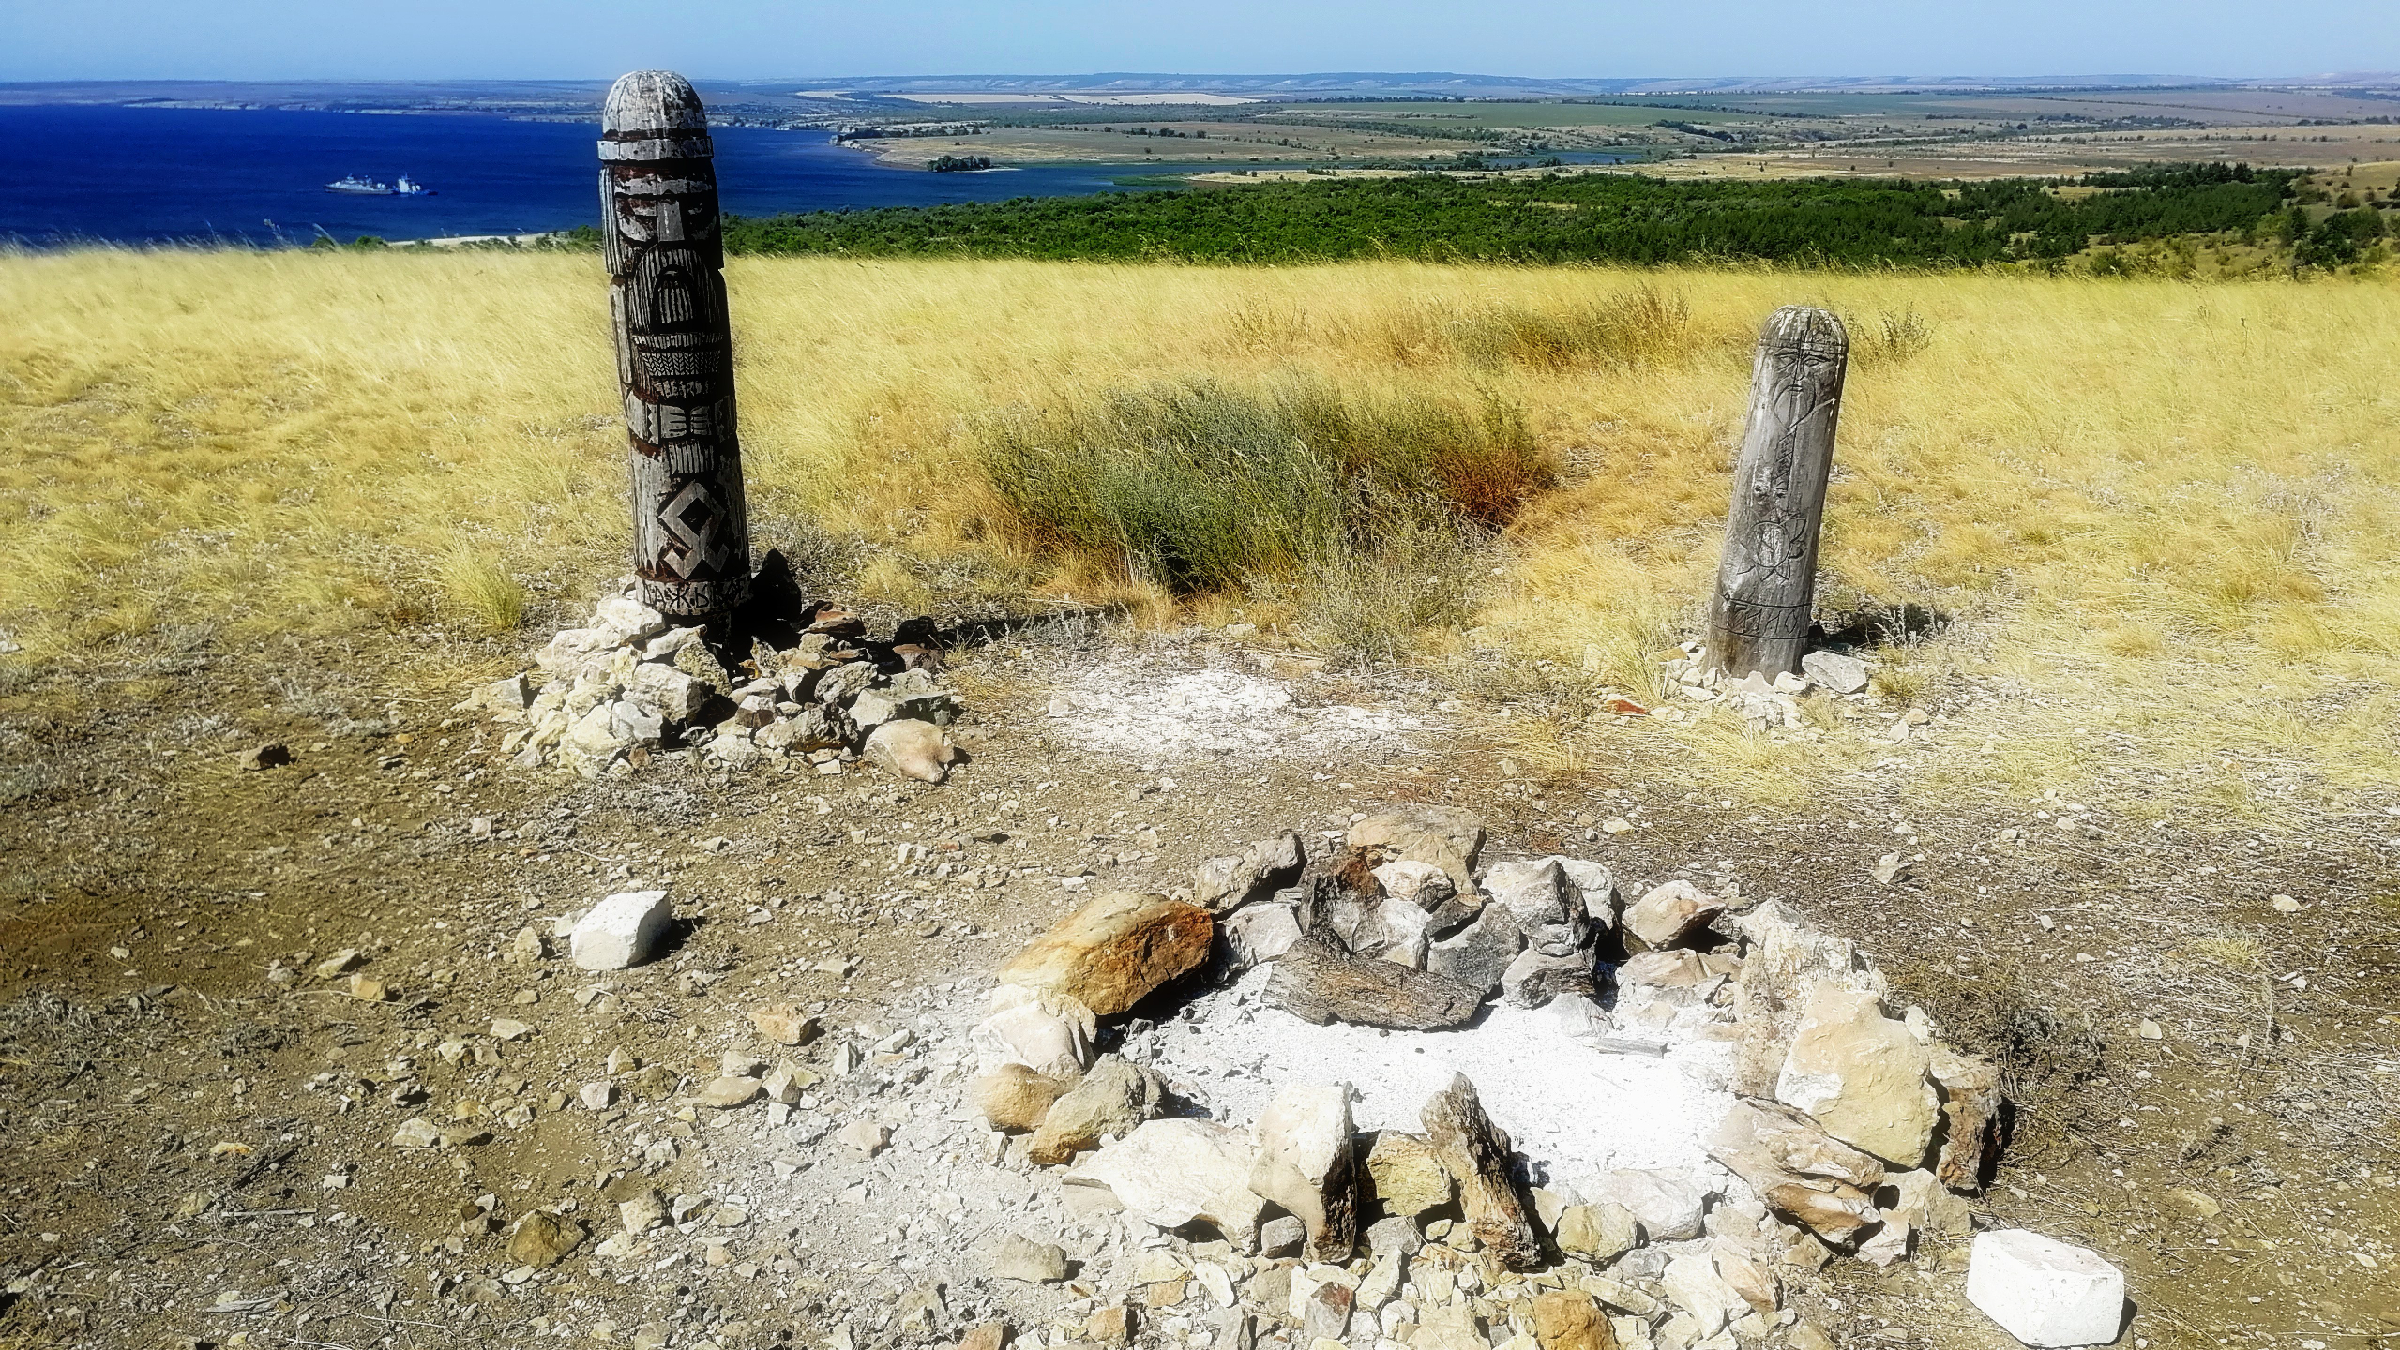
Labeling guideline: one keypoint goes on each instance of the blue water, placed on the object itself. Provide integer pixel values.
(152, 175)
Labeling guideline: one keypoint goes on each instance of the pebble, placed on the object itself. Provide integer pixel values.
(728, 1091)
(784, 1023)
(598, 1096)
(865, 1136)
(642, 1213)
(509, 1029)
(272, 755)
(1021, 1258)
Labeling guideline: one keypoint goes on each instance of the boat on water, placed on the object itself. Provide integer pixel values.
(362, 186)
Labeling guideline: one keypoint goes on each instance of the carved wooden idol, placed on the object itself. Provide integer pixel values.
(1767, 579)
(658, 214)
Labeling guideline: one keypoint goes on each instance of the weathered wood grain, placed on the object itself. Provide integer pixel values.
(658, 224)
(1766, 580)
(1316, 981)
(1476, 1154)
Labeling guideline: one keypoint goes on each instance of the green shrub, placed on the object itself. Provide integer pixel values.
(1195, 487)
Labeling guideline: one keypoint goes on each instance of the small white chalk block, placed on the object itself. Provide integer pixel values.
(619, 931)
(2043, 1291)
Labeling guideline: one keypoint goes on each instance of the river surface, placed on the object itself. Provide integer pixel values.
(161, 175)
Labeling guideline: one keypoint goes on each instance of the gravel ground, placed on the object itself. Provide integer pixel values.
(201, 1153)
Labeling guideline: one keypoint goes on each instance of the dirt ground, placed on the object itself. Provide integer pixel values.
(199, 1149)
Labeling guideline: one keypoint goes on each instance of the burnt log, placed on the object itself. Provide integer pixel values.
(1767, 577)
(1316, 981)
(1476, 1154)
(665, 258)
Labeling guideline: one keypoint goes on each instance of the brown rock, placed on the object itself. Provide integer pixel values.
(1669, 914)
(1782, 960)
(543, 1239)
(1970, 1088)
(989, 1336)
(1444, 836)
(1570, 1320)
(911, 749)
(1601, 1232)
(1114, 1098)
(1114, 951)
(1013, 1098)
(784, 1023)
(1405, 1176)
(1861, 1074)
(1112, 1325)
(1799, 1169)
(1475, 1153)
(1754, 1282)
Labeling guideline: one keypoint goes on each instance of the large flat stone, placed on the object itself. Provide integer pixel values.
(1180, 1171)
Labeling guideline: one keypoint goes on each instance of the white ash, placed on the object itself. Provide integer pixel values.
(1138, 707)
(1571, 1110)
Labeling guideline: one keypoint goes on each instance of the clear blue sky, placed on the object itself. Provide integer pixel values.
(580, 39)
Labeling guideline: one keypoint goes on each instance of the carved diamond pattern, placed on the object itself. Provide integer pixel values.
(692, 516)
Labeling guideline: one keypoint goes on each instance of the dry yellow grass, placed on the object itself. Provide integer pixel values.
(2159, 511)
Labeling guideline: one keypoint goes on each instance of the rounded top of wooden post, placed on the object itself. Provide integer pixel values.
(1806, 329)
(654, 114)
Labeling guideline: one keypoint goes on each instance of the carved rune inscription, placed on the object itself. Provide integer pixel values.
(658, 199)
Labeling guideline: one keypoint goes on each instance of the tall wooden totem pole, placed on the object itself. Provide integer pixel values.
(658, 214)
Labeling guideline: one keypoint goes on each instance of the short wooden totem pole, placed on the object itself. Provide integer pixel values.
(1768, 576)
(658, 224)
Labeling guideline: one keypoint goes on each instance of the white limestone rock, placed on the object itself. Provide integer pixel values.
(1667, 1201)
(621, 931)
(1258, 933)
(2043, 1291)
(1036, 1037)
(1171, 1172)
(1305, 1165)
(1835, 672)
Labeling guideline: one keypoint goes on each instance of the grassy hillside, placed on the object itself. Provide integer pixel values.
(2164, 510)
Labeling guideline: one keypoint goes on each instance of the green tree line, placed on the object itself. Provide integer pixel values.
(1560, 218)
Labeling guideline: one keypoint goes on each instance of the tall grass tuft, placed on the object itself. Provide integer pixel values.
(1368, 603)
(481, 589)
(1200, 487)
(1640, 326)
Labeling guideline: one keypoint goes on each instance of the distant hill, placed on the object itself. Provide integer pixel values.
(822, 96)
